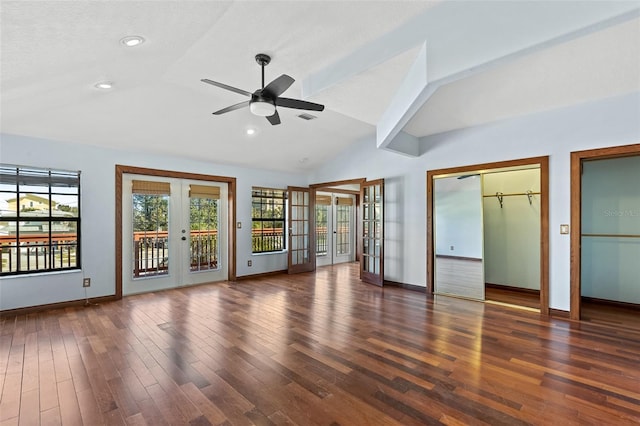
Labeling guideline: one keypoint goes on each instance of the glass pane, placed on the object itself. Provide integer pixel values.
(33, 205)
(64, 242)
(203, 239)
(343, 230)
(8, 246)
(150, 235)
(321, 229)
(65, 205)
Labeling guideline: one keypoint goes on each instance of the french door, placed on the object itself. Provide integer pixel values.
(335, 228)
(372, 259)
(174, 232)
(301, 253)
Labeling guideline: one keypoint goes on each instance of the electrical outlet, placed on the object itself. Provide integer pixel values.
(86, 282)
(451, 248)
(249, 263)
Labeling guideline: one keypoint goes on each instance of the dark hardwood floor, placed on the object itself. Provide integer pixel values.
(615, 316)
(517, 297)
(313, 349)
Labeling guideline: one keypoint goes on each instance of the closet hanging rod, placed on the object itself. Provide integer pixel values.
(611, 235)
(514, 194)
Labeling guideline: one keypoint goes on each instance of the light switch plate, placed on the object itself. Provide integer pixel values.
(564, 229)
(239, 225)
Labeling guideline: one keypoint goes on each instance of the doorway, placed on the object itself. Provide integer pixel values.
(368, 199)
(487, 232)
(335, 228)
(605, 240)
(172, 229)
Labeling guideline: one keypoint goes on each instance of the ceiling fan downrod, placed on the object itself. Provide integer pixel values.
(263, 60)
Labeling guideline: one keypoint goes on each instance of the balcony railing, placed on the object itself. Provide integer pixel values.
(37, 252)
(151, 252)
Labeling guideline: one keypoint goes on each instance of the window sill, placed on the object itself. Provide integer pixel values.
(42, 274)
(266, 253)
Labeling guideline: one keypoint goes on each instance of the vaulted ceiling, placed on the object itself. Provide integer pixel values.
(485, 61)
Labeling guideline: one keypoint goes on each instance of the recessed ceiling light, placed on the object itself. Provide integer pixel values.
(104, 85)
(251, 131)
(132, 40)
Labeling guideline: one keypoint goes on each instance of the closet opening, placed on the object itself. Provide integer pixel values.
(605, 239)
(487, 233)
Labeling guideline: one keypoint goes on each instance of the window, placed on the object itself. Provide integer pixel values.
(39, 220)
(323, 204)
(268, 217)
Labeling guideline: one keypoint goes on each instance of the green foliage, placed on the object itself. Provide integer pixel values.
(203, 214)
(65, 208)
(150, 212)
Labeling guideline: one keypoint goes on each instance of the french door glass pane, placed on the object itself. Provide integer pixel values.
(150, 235)
(322, 211)
(204, 218)
(343, 229)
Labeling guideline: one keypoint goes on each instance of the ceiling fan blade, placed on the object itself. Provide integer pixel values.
(225, 86)
(278, 86)
(274, 119)
(298, 104)
(232, 107)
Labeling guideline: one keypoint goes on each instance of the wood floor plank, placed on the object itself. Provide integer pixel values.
(314, 349)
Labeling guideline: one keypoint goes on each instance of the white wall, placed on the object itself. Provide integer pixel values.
(512, 231)
(610, 122)
(611, 205)
(98, 214)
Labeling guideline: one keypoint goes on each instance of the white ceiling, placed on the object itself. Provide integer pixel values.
(52, 53)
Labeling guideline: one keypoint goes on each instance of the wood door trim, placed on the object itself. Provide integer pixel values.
(543, 163)
(230, 181)
(577, 158)
(320, 185)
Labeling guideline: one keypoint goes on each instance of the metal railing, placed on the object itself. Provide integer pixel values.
(151, 252)
(36, 252)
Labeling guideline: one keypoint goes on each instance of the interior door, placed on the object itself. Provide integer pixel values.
(324, 229)
(459, 241)
(175, 233)
(372, 260)
(343, 228)
(301, 254)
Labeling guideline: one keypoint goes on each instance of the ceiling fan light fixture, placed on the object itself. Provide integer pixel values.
(262, 107)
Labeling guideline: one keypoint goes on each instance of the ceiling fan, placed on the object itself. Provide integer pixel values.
(264, 101)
